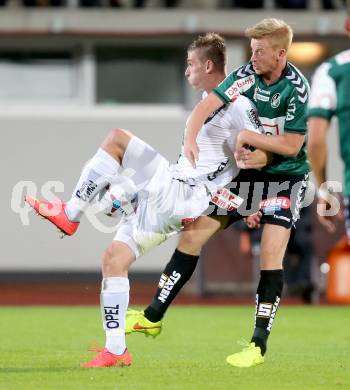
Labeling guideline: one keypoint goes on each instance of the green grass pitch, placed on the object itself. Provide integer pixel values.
(309, 348)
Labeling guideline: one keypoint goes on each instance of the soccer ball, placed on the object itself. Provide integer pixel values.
(119, 197)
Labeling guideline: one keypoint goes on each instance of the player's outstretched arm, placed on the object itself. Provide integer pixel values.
(194, 123)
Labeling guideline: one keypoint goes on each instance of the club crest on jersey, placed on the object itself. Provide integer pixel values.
(275, 100)
(275, 203)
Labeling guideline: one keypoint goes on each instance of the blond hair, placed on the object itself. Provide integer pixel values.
(277, 30)
(212, 47)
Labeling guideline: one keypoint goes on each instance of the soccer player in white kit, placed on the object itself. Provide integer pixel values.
(167, 194)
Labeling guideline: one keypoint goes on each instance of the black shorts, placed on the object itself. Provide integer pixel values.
(278, 197)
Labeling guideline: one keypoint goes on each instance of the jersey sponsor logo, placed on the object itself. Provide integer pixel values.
(263, 91)
(275, 203)
(167, 283)
(227, 200)
(291, 109)
(232, 93)
(260, 94)
(275, 100)
(254, 118)
(262, 98)
(111, 315)
(239, 86)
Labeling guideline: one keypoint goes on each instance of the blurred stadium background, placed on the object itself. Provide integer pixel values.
(72, 70)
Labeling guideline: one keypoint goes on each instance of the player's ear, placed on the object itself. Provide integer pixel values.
(209, 66)
(282, 53)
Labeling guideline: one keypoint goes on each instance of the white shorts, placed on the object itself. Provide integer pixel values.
(164, 200)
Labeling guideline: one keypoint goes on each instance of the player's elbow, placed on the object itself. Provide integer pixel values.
(293, 145)
(292, 151)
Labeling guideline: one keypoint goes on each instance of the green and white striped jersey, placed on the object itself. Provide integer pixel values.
(281, 107)
(330, 96)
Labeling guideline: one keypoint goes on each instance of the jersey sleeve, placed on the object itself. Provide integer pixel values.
(245, 115)
(226, 90)
(296, 112)
(239, 82)
(323, 98)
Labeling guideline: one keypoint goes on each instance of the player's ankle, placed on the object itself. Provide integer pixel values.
(152, 314)
(260, 339)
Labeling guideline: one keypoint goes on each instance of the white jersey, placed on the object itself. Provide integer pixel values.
(171, 194)
(216, 140)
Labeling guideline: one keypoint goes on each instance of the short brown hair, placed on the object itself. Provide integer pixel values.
(212, 47)
(280, 33)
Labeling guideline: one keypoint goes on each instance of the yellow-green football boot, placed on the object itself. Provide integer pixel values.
(136, 322)
(250, 356)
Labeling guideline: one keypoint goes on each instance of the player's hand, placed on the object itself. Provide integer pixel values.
(247, 159)
(241, 156)
(253, 221)
(240, 141)
(243, 139)
(191, 150)
(324, 206)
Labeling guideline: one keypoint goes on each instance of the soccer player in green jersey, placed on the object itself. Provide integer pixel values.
(280, 93)
(330, 96)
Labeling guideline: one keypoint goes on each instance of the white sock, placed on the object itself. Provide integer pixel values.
(96, 174)
(114, 303)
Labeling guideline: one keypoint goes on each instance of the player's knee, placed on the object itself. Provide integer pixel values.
(270, 252)
(271, 257)
(116, 142)
(190, 243)
(114, 263)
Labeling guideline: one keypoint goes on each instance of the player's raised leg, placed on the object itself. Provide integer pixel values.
(114, 302)
(96, 175)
